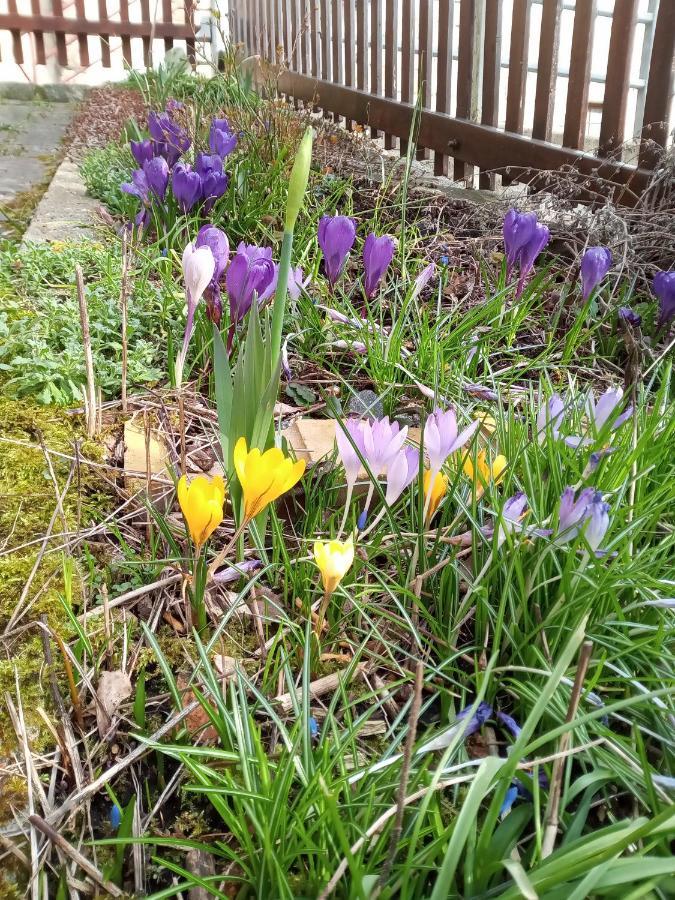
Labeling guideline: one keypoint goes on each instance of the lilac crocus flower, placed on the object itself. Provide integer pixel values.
(382, 441)
(142, 151)
(550, 415)
(401, 472)
(605, 411)
(441, 437)
(378, 253)
(187, 186)
(518, 229)
(198, 268)
(216, 240)
(222, 140)
(336, 238)
(663, 286)
(348, 455)
(629, 317)
(597, 521)
(422, 280)
(296, 283)
(157, 175)
(595, 264)
(529, 253)
(572, 514)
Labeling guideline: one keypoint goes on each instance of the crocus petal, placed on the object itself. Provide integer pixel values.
(663, 286)
(378, 253)
(336, 238)
(596, 263)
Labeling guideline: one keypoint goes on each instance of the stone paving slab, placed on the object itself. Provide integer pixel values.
(30, 137)
(65, 212)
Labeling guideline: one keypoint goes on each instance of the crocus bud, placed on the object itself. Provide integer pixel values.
(529, 253)
(401, 472)
(596, 263)
(663, 286)
(216, 240)
(378, 253)
(334, 559)
(518, 229)
(222, 140)
(198, 268)
(629, 317)
(297, 184)
(157, 175)
(250, 274)
(336, 238)
(187, 186)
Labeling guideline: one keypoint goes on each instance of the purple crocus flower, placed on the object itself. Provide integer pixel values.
(157, 176)
(138, 187)
(222, 140)
(142, 151)
(401, 472)
(663, 286)
(378, 253)
(595, 264)
(629, 317)
(167, 132)
(441, 437)
(382, 441)
(529, 253)
(550, 416)
(336, 238)
(518, 229)
(296, 283)
(214, 180)
(216, 240)
(249, 274)
(187, 186)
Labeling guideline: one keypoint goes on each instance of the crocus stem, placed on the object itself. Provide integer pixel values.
(220, 558)
(279, 308)
(321, 615)
(181, 429)
(348, 500)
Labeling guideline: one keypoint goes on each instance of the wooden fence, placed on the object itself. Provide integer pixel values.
(174, 25)
(357, 59)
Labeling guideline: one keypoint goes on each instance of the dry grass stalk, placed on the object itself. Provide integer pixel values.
(88, 355)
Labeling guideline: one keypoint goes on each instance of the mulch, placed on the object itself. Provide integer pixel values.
(101, 117)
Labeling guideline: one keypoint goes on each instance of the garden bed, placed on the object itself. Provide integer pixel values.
(470, 692)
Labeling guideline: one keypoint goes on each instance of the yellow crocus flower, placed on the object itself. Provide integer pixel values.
(201, 501)
(334, 559)
(438, 491)
(264, 476)
(486, 472)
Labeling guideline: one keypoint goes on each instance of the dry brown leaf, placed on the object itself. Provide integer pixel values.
(113, 689)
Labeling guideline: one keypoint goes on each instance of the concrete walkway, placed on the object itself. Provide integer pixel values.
(30, 134)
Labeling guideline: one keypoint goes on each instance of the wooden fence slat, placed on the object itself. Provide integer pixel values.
(390, 59)
(444, 72)
(166, 18)
(315, 48)
(145, 15)
(515, 95)
(126, 41)
(547, 69)
(407, 59)
(361, 48)
(61, 48)
(104, 36)
(574, 132)
(17, 48)
(305, 24)
(492, 58)
(618, 76)
(425, 59)
(82, 46)
(40, 57)
(326, 57)
(659, 87)
(375, 52)
(336, 42)
(467, 23)
(349, 48)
